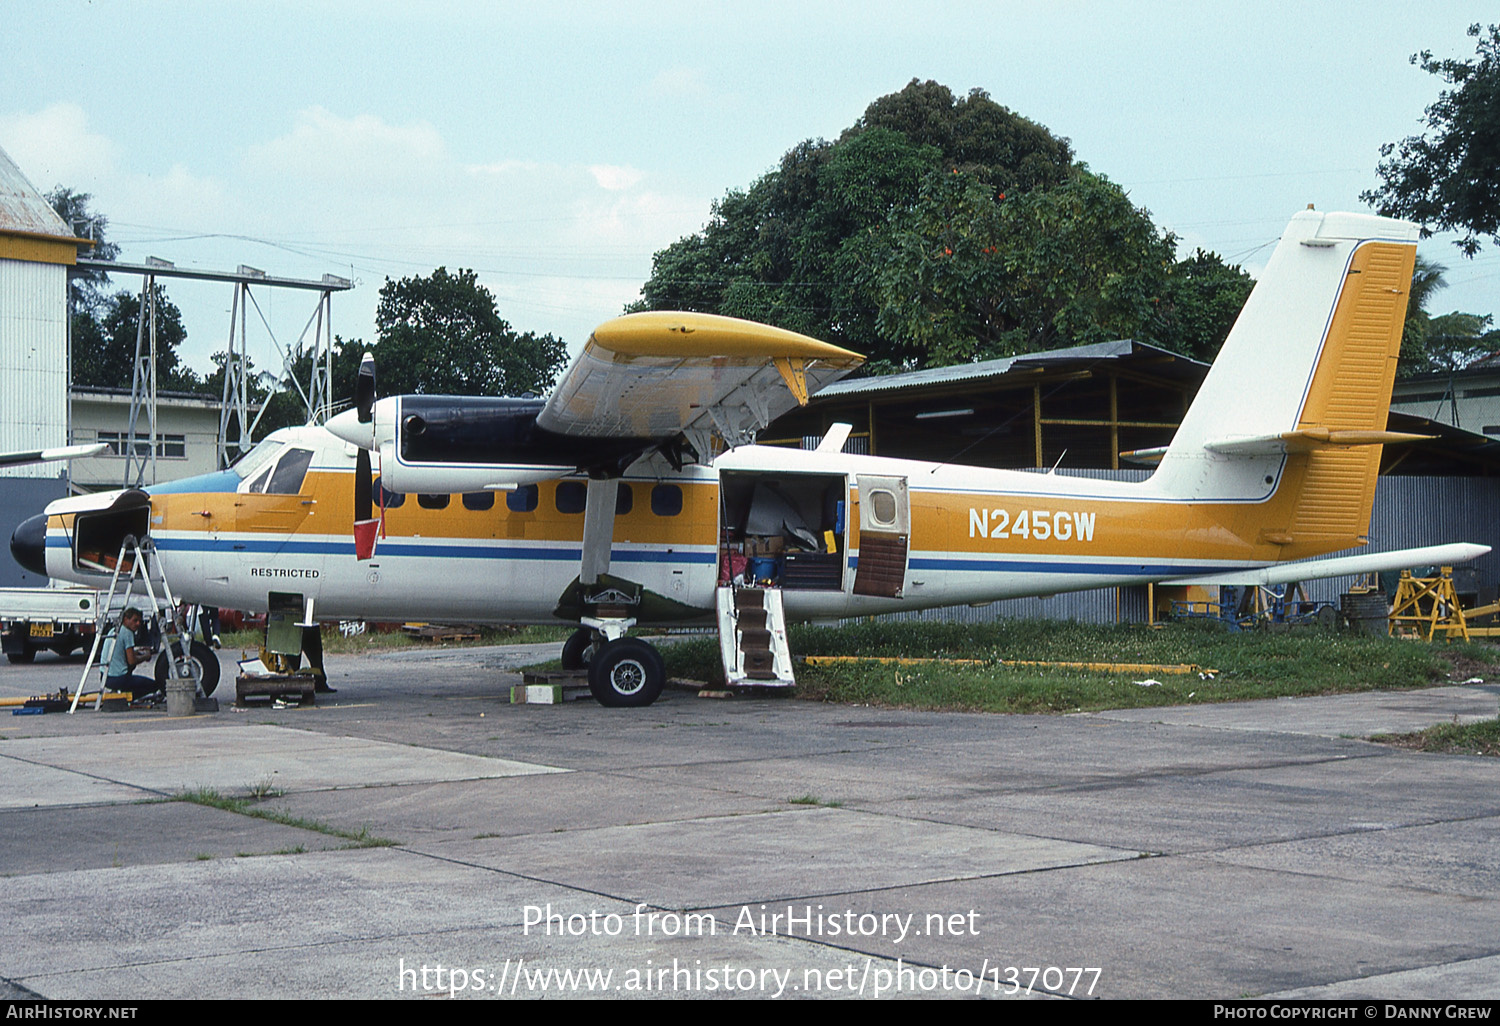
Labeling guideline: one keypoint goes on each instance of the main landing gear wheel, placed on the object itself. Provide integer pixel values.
(578, 649)
(201, 661)
(626, 672)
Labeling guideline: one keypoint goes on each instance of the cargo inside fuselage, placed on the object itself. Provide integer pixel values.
(98, 534)
(783, 530)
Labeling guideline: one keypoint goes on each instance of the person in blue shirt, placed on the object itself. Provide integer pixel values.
(128, 655)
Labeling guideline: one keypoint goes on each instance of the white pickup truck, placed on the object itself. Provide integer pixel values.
(33, 619)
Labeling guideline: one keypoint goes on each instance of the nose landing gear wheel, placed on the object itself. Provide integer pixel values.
(626, 673)
(202, 664)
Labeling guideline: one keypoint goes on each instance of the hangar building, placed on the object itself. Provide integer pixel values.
(36, 250)
(1076, 410)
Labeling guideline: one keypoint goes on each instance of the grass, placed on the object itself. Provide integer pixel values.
(361, 838)
(263, 789)
(812, 799)
(1249, 665)
(1482, 738)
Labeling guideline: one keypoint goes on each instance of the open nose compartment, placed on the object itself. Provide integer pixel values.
(99, 530)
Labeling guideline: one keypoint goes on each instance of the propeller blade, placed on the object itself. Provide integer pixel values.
(365, 524)
(364, 389)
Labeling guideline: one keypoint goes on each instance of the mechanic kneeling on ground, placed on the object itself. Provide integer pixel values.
(128, 655)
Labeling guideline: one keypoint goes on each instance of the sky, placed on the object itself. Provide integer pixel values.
(553, 148)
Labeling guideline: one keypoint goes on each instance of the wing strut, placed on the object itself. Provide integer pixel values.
(598, 528)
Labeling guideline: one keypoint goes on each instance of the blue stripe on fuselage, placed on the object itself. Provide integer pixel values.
(295, 547)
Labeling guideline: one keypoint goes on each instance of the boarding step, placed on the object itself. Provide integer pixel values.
(752, 638)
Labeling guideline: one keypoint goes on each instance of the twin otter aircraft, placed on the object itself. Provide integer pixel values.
(606, 505)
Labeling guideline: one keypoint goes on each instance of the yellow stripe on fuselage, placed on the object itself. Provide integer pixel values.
(326, 506)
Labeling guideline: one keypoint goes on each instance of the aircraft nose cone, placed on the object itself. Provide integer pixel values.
(347, 427)
(28, 544)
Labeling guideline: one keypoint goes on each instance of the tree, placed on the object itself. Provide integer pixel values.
(443, 335)
(796, 249)
(898, 241)
(1449, 179)
(104, 344)
(1202, 299)
(975, 135)
(1439, 344)
(973, 273)
(86, 289)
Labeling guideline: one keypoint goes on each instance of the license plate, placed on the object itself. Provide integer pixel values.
(41, 630)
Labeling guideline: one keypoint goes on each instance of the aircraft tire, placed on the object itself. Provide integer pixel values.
(203, 661)
(575, 651)
(626, 673)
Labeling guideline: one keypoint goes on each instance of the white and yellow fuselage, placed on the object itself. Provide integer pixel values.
(1275, 461)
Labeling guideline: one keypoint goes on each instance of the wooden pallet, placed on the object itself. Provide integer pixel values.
(300, 687)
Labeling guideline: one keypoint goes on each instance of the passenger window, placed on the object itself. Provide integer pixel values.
(289, 473)
(883, 509)
(666, 500)
(572, 496)
(479, 501)
(521, 500)
(624, 500)
(389, 499)
(432, 501)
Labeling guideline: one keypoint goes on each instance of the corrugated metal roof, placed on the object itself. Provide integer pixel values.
(996, 368)
(22, 208)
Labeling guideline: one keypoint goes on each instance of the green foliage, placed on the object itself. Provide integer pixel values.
(1482, 738)
(361, 838)
(1449, 178)
(977, 670)
(973, 273)
(103, 326)
(442, 335)
(1202, 298)
(973, 134)
(86, 289)
(1440, 344)
(895, 241)
(104, 343)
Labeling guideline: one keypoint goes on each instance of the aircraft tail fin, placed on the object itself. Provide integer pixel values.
(1292, 414)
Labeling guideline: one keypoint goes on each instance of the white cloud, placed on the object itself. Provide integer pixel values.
(614, 177)
(54, 147)
(364, 149)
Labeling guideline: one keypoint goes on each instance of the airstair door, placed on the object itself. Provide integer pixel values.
(884, 530)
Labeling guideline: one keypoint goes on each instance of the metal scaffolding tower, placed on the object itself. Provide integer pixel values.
(236, 429)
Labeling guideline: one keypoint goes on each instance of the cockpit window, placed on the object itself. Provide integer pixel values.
(259, 484)
(289, 472)
(251, 463)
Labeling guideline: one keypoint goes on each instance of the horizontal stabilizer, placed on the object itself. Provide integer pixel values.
(1343, 566)
(1307, 440)
(1146, 457)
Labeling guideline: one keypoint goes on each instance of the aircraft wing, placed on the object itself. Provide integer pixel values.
(653, 375)
(1343, 566)
(62, 452)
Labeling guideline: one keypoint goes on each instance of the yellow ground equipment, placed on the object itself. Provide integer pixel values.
(1428, 607)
